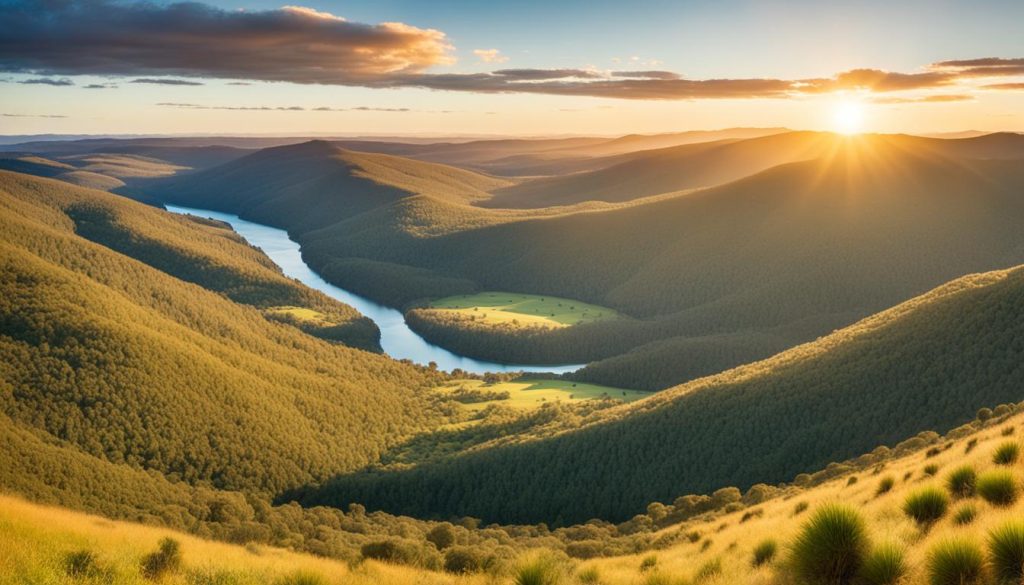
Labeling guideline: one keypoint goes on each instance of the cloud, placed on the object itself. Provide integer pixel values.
(646, 74)
(239, 83)
(48, 81)
(1005, 86)
(928, 99)
(490, 55)
(191, 106)
(162, 81)
(32, 116)
(100, 86)
(984, 67)
(293, 44)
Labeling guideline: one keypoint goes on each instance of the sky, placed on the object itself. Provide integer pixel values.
(408, 67)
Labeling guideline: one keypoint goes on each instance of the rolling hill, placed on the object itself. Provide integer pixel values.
(142, 338)
(927, 364)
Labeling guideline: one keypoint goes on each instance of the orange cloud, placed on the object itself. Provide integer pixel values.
(490, 55)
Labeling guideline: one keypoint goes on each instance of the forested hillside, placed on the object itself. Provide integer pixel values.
(109, 347)
(927, 364)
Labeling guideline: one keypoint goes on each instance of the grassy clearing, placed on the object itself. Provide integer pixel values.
(533, 393)
(301, 314)
(500, 308)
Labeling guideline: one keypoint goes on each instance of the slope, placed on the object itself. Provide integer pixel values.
(927, 364)
(313, 184)
(108, 346)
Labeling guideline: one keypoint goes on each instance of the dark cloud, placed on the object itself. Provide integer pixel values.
(48, 81)
(300, 45)
(985, 67)
(239, 83)
(544, 74)
(162, 81)
(100, 86)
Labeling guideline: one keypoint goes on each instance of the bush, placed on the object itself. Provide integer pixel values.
(965, 515)
(1006, 454)
(883, 566)
(764, 552)
(589, 576)
(885, 485)
(464, 559)
(997, 487)
(166, 560)
(831, 546)
(405, 552)
(541, 570)
(956, 561)
(926, 506)
(800, 508)
(962, 481)
(1006, 553)
(302, 578)
(81, 564)
(442, 536)
(708, 570)
(648, 563)
(931, 469)
(971, 444)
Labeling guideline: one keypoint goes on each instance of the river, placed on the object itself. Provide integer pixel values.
(396, 338)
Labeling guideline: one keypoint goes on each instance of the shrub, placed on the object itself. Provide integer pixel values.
(926, 506)
(302, 578)
(648, 563)
(405, 552)
(166, 560)
(693, 536)
(81, 564)
(962, 481)
(706, 545)
(800, 508)
(442, 536)
(1006, 553)
(931, 469)
(997, 487)
(464, 559)
(541, 570)
(965, 515)
(971, 444)
(831, 546)
(708, 570)
(956, 561)
(751, 514)
(852, 480)
(589, 576)
(885, 485)
(883, 566)
(1006, 453)
(1007, 431)
(764, 552)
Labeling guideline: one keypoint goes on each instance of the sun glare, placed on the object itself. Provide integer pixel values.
(848, 117)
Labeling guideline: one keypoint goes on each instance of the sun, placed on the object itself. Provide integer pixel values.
(848, 117)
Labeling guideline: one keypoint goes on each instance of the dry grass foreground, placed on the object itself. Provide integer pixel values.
(36, 542)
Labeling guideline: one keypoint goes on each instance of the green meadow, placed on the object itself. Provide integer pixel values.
(503, 307)
(533, 393)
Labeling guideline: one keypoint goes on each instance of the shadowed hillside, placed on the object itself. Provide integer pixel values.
(926, 364)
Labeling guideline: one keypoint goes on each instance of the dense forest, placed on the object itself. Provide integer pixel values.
(130, 364)
(926, 364)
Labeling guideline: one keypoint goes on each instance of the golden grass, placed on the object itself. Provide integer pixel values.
(35, 539)
(528, 394)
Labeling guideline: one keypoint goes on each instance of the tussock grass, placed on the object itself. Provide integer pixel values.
(926, 506)
(1006, 454)
(998, 487)
(956, 561)
(962, 481)
(1006, 553)
(831, 546)
(884, 565)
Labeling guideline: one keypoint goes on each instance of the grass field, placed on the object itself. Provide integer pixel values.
(502, 307)
(527, 394)
(36, 542)
(302, 314)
